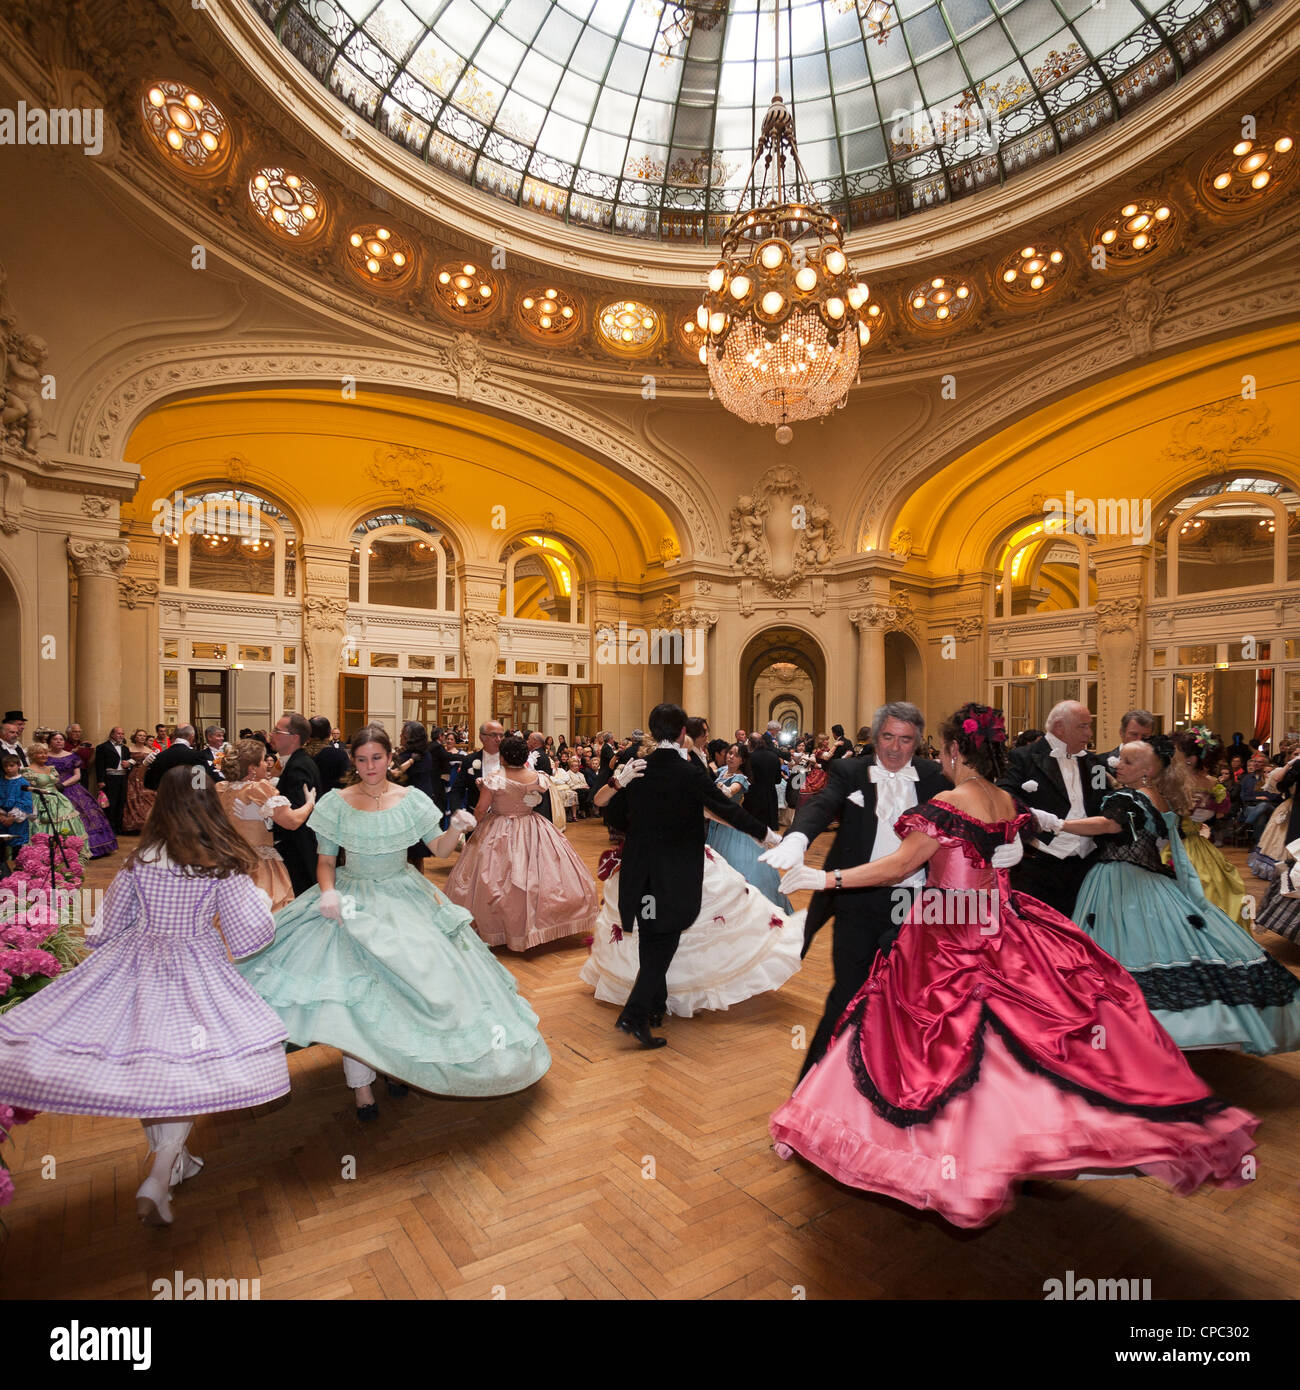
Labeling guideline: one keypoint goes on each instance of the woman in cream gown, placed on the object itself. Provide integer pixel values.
(249, 798)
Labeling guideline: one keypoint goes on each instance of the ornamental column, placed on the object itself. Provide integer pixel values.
(481, 588)
(1121, 580)
(324, 625)
(695, 624)
(98, 694)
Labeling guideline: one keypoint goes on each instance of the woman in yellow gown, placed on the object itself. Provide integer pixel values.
(1222, 883)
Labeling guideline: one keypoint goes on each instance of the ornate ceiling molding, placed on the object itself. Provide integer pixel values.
(1153, 132)
(105, 419)
(1199, 298)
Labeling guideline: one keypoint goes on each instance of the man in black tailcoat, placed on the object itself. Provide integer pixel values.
(180, 753)
(661, 877)
(298, 775)
(1057, 775)
(866, 919)
(764, 773)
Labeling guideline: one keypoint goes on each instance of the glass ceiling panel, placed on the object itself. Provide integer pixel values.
(643, 105)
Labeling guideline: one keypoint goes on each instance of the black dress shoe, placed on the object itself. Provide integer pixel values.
(641, 1032)
(396, 1089)
(368, 1112)
(656, 1020)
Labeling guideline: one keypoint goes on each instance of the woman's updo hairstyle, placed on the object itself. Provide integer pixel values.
(514, 751)
(1198, 745)
(980, 734)
(246, 754)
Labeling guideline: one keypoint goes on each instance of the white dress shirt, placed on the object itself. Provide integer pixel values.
(895, 793)
(491, 764)
(1064, 845)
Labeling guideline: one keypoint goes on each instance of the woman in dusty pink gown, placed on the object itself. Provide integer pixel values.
(996, 1041)
(518, 875)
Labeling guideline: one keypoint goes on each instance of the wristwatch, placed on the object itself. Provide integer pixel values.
(839, 881)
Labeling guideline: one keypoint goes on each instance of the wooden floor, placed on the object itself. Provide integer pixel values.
(546, 1195)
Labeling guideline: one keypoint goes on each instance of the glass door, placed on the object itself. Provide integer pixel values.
(584, 710)
(209, 700)
(354, 708)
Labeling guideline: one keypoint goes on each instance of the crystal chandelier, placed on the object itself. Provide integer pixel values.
(784, 314)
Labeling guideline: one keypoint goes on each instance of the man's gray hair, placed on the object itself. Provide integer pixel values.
(1142, 716)
(897, 709)
(1057, 713)
(214, 729)
(186, 731)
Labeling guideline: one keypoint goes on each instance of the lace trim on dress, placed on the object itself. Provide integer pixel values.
(902, 1118)
(976, 838)
(1261, 983)
(1136, 841)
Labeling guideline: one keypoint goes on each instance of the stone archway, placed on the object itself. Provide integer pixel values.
(11, 671)
(783, 646)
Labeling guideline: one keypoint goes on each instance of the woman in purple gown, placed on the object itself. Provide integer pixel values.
(997, 1041)
(99, 833)
(157, 1022)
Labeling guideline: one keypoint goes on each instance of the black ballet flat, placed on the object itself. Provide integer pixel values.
(641, 1032)
(368, 1112)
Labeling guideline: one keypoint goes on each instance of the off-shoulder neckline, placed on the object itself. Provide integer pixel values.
(361, 810)
(964, 815)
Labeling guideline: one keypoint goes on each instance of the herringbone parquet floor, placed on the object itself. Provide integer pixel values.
(622, 1174)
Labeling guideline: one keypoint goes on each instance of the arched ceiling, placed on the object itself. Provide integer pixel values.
(1229, 406)
(640, 117)
(330, 462)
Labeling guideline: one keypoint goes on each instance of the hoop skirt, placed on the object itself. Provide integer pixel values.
(98, 830)
(1221, 881)
(742, 851)
(978, 1054)
(401, 983)
(518, 877)
(738, 946)
(1205, 980)
(156, 1022)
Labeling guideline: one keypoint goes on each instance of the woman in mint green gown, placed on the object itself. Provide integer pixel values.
(375, 961)
(1207, 983)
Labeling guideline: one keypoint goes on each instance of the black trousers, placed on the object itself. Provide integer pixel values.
(650, 991)
(115, 790)
(855, 942)
(1053, 881)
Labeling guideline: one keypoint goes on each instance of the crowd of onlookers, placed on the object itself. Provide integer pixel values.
(121, 773)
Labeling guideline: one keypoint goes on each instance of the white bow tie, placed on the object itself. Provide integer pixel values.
(1062, 756)
(883, 774)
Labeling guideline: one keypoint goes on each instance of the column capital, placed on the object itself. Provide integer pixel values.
(880, 616)
(97, 557)
(1118, 614)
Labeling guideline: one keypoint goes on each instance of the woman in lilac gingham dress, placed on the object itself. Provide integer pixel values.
(157, 1022)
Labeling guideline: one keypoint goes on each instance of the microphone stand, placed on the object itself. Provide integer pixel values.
(54, 835)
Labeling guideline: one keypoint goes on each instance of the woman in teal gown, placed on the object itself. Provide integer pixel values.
(375, 961)
(1204, 979)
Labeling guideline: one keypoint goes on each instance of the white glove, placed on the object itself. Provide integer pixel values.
(17, 816)
(1045, 820)
(1008, 856)
(772, 839)
(629, 772)
(463, 821)
(331, 905)
(804, 876)
(788, 854)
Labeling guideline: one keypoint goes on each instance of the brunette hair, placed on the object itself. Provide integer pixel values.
(246, 754)
(984, 744)
(368, 733)
(1198, 745)
(743, 750)
(298, 727)
(514, 750)
(10, 758)
(190, 825)
(415, 738)
(695, 726)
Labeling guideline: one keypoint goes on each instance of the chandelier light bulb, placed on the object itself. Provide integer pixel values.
(1009, 275)
(1128, 210)
(835, 308)
(717, 278)
(857, 296)
(1284, 144)
(835, 261)
(773, 302)
(1242, 147)
(806, 279)
(1164, 214)
(772, 255)
(739, 286)
(717, 321)
(702, 316)
(1260, 180)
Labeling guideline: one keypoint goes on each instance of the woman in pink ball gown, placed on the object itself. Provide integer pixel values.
(519, 877)
(996, 1041)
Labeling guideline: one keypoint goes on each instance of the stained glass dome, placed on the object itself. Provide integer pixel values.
(639, 117)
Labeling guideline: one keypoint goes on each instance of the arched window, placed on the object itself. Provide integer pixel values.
(400, 560)
(1044, 572)
(1234, 533)
(543, 581)
(228, 541)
